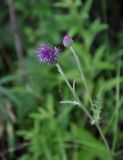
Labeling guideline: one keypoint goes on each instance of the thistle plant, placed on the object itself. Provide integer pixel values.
(47, 54)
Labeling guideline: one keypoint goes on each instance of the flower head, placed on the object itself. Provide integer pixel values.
(67, 41)
(47, 54)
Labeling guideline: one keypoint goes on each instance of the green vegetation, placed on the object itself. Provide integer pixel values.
(39, 117)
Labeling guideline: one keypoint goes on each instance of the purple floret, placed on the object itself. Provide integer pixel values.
(47, 54)
(67, 41)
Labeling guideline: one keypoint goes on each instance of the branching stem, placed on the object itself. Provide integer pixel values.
(83, 108)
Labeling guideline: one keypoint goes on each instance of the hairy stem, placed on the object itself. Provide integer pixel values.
(82, 75)
(90, 99)
(72, 91)
(83, 108)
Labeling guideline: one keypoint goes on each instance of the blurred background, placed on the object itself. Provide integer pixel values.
(33, 124)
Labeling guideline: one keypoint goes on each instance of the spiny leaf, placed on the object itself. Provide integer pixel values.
(97, 109)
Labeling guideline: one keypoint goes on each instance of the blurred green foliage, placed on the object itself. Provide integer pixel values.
(30, 112)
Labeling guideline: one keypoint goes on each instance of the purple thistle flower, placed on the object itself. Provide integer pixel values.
(67, 41)
(47, 54)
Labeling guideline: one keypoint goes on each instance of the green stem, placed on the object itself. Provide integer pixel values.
(104, 140)
(82, 75)
(83, 108)
(73, 91)
(90, 99)
(117, 108)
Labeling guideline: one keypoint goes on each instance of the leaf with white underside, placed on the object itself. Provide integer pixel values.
(70, 102)
(74, 83)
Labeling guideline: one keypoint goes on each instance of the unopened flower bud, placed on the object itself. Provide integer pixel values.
(67, 41)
